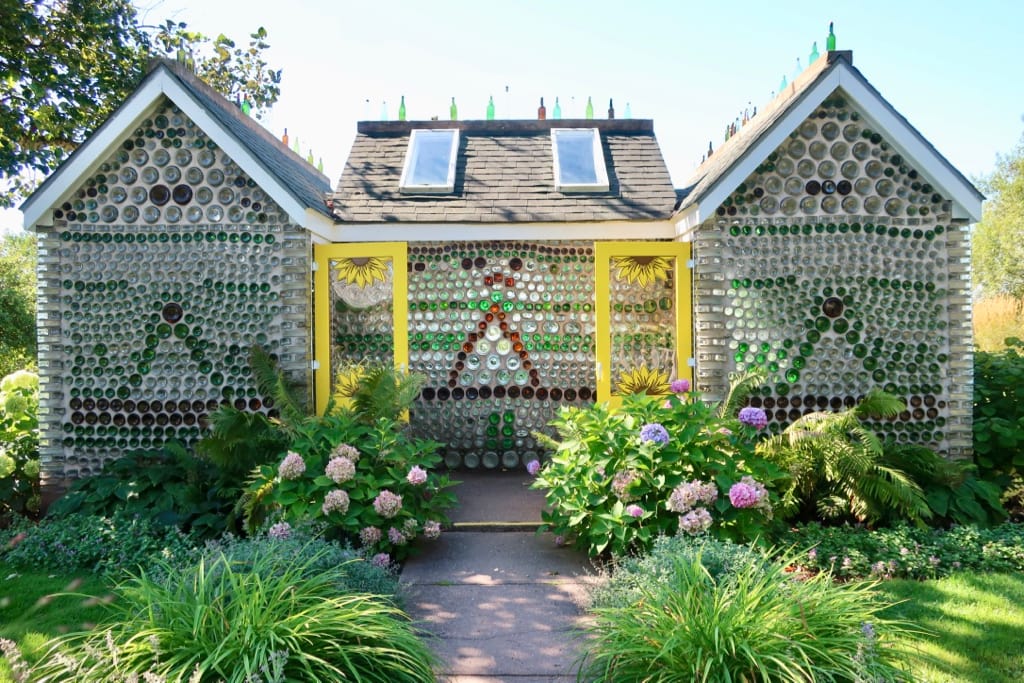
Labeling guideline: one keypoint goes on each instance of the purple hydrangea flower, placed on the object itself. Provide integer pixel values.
(621, 483)
(335, 501)
(417, 476)
(743, 496)
(396, 537)
(344, 450)
(634, 511)
(280, 531)
(654, 432)
(387, 504)
(679, 386)
(754, 417)
(689, 494)
(432, 530)
(292, 467)
(370, 535)
(695, 521)
(340, 469)
(533, 467)
(382, 560)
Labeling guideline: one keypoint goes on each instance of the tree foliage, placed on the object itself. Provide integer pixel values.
(65, 65)
(998, 246)
(17, 303)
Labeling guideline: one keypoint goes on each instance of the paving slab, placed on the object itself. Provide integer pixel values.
(500, 606)
(495, 497)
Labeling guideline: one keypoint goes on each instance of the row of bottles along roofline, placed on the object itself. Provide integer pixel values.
(745, 116)
(542, 110)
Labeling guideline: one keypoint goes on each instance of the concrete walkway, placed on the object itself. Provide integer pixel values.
(500, 605)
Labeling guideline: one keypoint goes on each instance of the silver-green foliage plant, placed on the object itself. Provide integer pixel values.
(221, 620)
(752, 622)
(837, 467)
(19, 443)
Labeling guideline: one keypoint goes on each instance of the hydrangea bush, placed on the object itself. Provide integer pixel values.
(373, 486)
(19, 443)
(618, 478)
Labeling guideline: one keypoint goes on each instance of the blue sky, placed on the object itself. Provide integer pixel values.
(953, 69)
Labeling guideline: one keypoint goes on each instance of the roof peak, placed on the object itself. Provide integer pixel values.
(507, 126)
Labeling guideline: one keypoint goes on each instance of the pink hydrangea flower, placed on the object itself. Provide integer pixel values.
(292, 467)
(621, 483)
(387, 504)
(382, 560)
(533, 467)
(343, 450)
(432, 530)
(688, 494)
(417, 476)
(370, 535)
(634, 511)
(396, 537)
(280, 531)
(749, 493)
(754, 417)
(340, 469)
(335, 501)
(679, 386)
(695, 521)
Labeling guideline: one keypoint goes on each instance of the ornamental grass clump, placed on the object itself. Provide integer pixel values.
(224, 620)
(750, 621)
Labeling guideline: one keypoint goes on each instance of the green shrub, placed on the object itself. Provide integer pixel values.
(755, 622)
(999, 412)
(92, 542)
(19, 443)
(169, 486)
(623, 585)
(279, 547)
(954, 492)
(223, 620)
(903, 551)
(373, 486)
(618, 478)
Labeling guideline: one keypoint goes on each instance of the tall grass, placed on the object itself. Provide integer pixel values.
(995, 319)
(755, 623)
(220, 620)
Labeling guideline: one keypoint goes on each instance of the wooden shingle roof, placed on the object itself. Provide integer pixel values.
(504, 175)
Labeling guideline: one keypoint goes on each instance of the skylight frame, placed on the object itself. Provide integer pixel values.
(600, 182)
(412, 156)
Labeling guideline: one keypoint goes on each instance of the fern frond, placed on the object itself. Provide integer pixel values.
(741, 385)
(271, 381)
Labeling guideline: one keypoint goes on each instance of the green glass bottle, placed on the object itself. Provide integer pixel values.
(830, 43)
(814, 54)
(590, 108)
(401, 109)
(490, 108)
(453, 111)
(557, 113)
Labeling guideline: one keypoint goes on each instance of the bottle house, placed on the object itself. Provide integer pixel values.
(520, 265)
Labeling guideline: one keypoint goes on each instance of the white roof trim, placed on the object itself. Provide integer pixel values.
(876, 112)
(101, 144)
(411, 232)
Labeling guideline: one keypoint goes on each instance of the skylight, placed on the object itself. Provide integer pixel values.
(579, 160)
(430, 162)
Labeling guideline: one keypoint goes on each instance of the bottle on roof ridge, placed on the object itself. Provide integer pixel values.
(284, 138)
(558, 110)
(830, 43)
(814, 54)
(542, 112)
(453, 111)
(629, 112)
(490, 108)
(401, 109)
(611, 109)
(590, 108)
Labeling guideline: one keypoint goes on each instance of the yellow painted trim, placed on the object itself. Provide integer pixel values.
(603, 254)
(323, 254)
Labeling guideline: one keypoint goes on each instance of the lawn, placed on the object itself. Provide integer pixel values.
(32, 609)
(978, 622)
